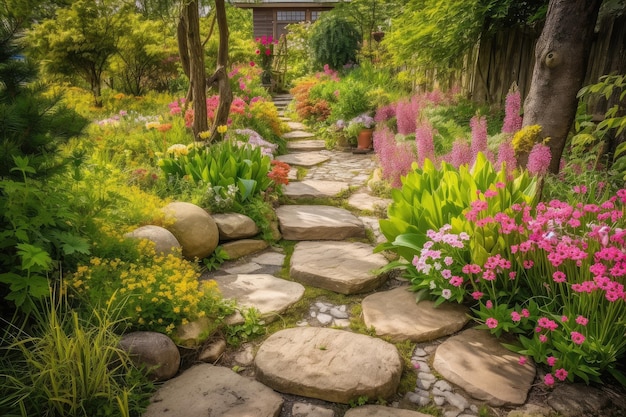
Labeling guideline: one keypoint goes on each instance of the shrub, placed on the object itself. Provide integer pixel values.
(335, 41)
(156, 292)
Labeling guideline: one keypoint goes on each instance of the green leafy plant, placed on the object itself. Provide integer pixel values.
(221, 167)
(251, 327)
(70, 367)
(217, 258)
(432, 197)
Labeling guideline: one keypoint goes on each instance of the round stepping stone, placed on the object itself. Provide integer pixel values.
(207, 390)
(298, 134)
(396, 315)
(314, 189)
(304, 159)
(477, 362)
(270, 295)
(342, 267)
(382, 411)
(304, 222)
(328, 364)
(306, 145)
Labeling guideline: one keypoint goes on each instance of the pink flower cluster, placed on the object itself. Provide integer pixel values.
(512, 118)
(395, 157)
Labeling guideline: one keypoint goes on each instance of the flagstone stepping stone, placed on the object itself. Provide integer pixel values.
(305, 222)
(382, 411)
(328, 364)
(296, 126)
(314, 189)
(364, 201)
(396, 315)
(306, 145)
(342, 267)
(207, 390)
(478, 363)
(298, 134)
(304, 159)
(270, 295)
(239, 248)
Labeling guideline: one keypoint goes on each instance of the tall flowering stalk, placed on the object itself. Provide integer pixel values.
(512, 108)
(265, 53)
(395, 157)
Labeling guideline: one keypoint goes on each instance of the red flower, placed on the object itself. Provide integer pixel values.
(252, 63)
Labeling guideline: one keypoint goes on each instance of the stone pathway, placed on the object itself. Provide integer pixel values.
(318, 367)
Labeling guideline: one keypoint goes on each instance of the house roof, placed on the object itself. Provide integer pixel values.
(285, 3)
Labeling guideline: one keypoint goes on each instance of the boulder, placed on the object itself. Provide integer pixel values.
(165, 242)
(235, 226)
(194, 229)
(154, 351)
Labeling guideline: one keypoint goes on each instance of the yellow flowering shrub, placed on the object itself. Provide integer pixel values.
(526, 138)
(266, 112)
(156, 292)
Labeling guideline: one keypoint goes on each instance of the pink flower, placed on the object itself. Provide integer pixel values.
(488, 305)
(582, 320)
(525, 313)
(522, 360)
(559, 276)
(551, 360)
(577, 338)
(561, 374)
(512, 106)
(515, 316)
(477, 295)
(539, 159)
(456, 281)
(548, 380)
(528, 264)
(564, 319)
(491, 323)
(543, 338)
(252, 64)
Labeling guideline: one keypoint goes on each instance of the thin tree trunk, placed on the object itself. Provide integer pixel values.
(196, 68)
(561, 57)
(220, 77)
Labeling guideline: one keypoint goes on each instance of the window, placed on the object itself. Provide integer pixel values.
(290, 16)
(315, 14)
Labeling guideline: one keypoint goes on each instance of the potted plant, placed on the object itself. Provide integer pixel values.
(360, 129)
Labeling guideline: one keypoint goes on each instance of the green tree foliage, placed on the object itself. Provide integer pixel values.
(34, 221)
(145, 57)
(335, 41)
(80, 41)
(438, 33)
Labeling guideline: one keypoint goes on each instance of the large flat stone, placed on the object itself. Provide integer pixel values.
(207, 390)
(304, 222)
(314, 189)
(306, 145)
(270, 295)
(396, 315)
(477, 362)
(298, 134)
(365, 201)
(304, 159)
(332, 365)
(343, 267)
(382, 411)
(296, 125)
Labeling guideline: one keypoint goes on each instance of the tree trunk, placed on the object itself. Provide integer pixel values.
(561, 56)
(183, 50)
(197, 71)
(220, 77)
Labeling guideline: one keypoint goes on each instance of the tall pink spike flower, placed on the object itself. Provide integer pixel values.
(506, 155)
(460, 154)
(512, 118)
(395, 158)
(424, 143)
(479, 137)
(539, 159)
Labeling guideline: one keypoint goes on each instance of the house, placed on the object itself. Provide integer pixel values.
(270, 17)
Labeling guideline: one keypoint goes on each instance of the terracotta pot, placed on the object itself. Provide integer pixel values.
(364, 140)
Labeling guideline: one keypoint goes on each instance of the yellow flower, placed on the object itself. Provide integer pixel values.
(222, 129)
(204, 134)
(177, 150)
(526, 138)
(152, 125)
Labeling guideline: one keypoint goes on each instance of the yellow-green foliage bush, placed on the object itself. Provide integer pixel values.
(157, 292)
(526, 138)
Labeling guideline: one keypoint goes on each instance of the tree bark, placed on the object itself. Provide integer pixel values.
(197, 71)
(220, 77)
(561, 56)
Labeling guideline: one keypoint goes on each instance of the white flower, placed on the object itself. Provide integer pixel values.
(446, 293)
(432, 285)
